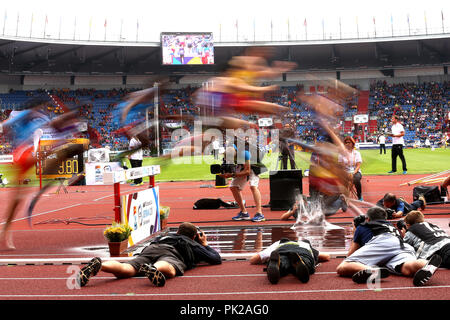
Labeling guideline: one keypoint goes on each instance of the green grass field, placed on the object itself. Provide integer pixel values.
(419, 161)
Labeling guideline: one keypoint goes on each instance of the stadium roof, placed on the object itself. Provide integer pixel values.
(27, 57)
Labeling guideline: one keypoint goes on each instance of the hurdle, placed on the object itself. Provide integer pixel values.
(117, 177)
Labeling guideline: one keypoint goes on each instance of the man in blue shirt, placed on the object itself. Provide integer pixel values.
(397, 207)
(378, 249)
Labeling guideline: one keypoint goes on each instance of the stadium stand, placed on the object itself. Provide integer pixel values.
(421, 107)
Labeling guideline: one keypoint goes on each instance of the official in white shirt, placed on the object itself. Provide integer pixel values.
(397, 144)
(382, 142)
(216, 148)
(136, 157)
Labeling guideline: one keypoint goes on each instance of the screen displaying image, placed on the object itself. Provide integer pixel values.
(187, 48)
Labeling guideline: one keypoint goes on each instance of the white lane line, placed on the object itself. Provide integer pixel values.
(101, 198)
(46, 212)
(204, 276)
(153, 295)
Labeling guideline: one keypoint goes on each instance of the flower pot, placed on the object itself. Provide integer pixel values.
(164, 215)
(116, 248)
(163, 224)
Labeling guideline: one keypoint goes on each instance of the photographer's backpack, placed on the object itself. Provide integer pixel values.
(208, 203)
(432, 194)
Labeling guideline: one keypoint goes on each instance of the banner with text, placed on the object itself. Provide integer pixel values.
(140, 210)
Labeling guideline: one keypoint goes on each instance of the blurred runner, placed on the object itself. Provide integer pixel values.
(20, 130)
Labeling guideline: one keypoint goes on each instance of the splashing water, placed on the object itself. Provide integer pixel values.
(311, 225)
(311, 214)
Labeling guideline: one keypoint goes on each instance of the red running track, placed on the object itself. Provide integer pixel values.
(63, 223)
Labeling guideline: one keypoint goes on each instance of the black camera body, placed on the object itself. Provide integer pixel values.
(359, 219)
(389, 212)
(199, 234)
(223, 168)
(401, 224)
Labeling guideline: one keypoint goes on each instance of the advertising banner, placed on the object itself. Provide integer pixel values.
(6, 158)
(95, 171)
(140, 211)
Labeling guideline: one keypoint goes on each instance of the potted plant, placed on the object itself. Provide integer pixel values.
(163, 216)
(117, 235)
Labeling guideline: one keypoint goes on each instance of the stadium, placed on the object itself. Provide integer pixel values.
(118, 75)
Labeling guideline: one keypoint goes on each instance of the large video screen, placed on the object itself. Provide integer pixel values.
(187, 48)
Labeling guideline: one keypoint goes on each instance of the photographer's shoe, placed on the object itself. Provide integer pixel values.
(259, 217)
(423, 275)
(241, 216)
(273, 268)
(363, 275)
(301, 270)
(424, 202)
(92, 268)
(155, 276)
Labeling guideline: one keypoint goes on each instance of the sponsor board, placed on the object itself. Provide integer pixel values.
(6, 158)
(265, 122)
(130, 174)
(95, 171)
(141, 172)
(140, 211)
(361, 118)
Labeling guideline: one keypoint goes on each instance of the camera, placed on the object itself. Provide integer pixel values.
(199, 233)
(401, 225)
(359, 219)
(390, 212)
(223, 168)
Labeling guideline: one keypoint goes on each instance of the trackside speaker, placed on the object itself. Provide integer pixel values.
(285, 186)
(221, 182)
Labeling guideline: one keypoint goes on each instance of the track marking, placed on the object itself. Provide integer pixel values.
(101, 198)
(109, 278)
(209, 293)
(45, 212)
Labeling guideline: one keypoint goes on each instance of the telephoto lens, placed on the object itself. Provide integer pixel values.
(359, 219)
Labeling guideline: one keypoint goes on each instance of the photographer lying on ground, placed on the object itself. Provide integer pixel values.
(427, 238)
(378, 247)
(165, 257)
(398, 207)
(288, 256)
